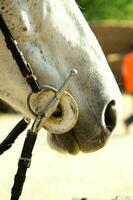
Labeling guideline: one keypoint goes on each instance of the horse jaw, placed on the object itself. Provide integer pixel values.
(55, 38)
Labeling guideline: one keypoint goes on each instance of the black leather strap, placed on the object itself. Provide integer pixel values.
(23, 165)
(17, 54)
(25, 159)
(10, 139)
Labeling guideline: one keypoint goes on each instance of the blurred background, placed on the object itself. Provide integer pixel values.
(100, 175)
(112, 23)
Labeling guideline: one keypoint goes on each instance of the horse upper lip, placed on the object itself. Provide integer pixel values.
(97, 142)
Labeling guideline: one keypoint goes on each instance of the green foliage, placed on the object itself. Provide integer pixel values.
(107, 9)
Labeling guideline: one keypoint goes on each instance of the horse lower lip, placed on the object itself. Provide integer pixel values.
(67, 142)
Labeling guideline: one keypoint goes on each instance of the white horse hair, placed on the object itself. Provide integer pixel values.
(55, 38)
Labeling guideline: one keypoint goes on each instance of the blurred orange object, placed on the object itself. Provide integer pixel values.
(127, 72)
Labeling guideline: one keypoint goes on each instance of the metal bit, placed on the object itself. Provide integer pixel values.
(65, 85)
(52, 105)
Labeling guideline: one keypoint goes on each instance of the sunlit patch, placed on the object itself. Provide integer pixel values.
(25, 20)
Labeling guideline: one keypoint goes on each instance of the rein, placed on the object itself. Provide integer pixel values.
(41, 117)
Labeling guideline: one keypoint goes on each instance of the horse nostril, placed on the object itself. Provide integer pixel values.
(110, 116)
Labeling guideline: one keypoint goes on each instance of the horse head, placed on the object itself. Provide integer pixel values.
(55, 38)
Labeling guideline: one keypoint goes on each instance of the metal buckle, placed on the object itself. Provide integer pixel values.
(27, 160)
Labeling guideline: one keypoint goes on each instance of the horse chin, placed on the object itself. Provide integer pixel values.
(72, 142)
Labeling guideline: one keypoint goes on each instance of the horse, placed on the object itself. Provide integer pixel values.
(55, 38)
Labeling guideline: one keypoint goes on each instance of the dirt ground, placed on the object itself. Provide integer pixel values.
(52, 176)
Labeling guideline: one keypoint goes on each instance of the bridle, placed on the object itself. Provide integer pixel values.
(22, 64)
(41, 116)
